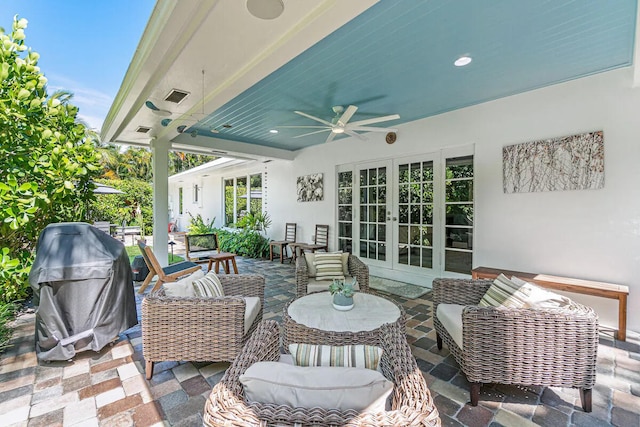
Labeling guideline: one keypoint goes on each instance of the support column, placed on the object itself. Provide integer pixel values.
(160, 164)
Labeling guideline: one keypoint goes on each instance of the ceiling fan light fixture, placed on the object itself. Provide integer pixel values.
(273, 131)
(462, 61)
(337, 130)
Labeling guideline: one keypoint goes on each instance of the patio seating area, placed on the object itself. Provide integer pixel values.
(108, 388)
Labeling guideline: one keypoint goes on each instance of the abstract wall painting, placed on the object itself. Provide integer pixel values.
(310, 188)
(573, 162)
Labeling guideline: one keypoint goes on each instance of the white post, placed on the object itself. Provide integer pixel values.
(160, 165)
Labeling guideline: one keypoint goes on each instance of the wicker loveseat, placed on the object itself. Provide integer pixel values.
(545, 347)
(199, 329)
(356, 267)
(412, 404)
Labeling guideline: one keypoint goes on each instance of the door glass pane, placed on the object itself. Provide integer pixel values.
(427, 214)
(427, 258)
(403, 254)
(403, 234)
(344, 213)
(459, 215)
(228, 201)
(403, 194)
(403, 211)
(414, 191)
(415, 172)
(403, 174)
(427, 192)
(414, 256)
(373, 211)
(241, 198)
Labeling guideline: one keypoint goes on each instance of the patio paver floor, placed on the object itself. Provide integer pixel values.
(108, 388)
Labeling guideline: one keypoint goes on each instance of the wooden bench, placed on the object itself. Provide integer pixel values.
(579, 286)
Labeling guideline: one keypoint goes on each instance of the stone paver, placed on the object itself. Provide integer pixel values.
(108, 388)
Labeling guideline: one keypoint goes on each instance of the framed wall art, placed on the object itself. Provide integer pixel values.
(573, 162)
(310, 188)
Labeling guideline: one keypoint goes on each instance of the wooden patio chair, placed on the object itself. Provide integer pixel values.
(165, 274)
(320, 242)
(289, 237)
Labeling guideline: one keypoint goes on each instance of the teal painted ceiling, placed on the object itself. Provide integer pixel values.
(397, 57)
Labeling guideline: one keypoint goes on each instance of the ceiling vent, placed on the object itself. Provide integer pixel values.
(143, 129)
(176, 96)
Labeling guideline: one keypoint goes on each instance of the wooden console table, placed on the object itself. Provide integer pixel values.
(586, 287)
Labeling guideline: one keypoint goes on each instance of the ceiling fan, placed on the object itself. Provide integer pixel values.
(340, 123)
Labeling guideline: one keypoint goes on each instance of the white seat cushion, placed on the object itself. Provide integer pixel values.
(538, 298)
(450, 315)
(308, 387)
(315, 285)
(182, 287)
(251, 311)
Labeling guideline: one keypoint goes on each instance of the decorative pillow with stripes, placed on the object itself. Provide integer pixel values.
(328, 266)
(349, 356)
(208, 286)
(501, 293)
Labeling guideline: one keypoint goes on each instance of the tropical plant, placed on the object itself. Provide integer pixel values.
(256, 221)
(198, 226)
(48, 159)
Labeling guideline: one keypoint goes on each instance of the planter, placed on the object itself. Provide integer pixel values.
(342, 303)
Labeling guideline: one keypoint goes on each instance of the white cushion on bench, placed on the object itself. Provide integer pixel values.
(251, 310)
(315, 285)
(308, 387)
(450, 315)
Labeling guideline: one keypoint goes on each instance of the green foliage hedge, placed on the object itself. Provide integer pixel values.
(48, 160)
(245, 242)
(116, 208)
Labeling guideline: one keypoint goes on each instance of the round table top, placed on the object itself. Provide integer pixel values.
(368, 313)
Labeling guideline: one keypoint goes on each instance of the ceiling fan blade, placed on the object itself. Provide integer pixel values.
(301, 127)
(313, 118)
(311, 133)
(375, 120)
(371, 129)
(330, 137)
(355, 134)
(346, 116)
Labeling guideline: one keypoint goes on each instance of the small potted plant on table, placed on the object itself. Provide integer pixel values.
(342, 294)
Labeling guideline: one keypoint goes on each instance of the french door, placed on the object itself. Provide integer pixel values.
(410, 214)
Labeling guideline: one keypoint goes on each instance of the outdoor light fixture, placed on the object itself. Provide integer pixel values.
(462, 61)
(273, 131)
(337, 130)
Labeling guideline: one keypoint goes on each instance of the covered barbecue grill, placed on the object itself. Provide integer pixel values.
(83, 290)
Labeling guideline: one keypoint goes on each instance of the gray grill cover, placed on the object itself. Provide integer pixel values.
(83, 289)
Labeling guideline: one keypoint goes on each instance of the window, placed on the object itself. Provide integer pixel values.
(197, 195)
(345, 210)
(180, 210)
(241, 194)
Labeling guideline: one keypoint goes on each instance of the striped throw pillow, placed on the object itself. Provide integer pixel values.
(328, 266)
(208, 286)
(501, 293)
(350, 356)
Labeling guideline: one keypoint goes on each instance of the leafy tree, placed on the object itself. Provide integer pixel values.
(47, 160)
(134, 206)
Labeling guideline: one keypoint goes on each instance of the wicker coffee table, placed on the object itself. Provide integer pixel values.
(312, 319)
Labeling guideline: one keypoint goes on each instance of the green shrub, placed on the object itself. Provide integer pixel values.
(117, 208)
(7, 312)
(246, 242)
(48, 160)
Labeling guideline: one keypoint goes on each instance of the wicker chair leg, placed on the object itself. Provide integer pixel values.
(439, 341)
(149, 369)
(474, 392)
(585, 398)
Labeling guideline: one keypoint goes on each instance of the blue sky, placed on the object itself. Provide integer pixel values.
(85, 46)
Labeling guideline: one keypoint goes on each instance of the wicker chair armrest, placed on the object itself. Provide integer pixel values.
(246, 285)
(459, 291)
(302, 276)
(226, 402)
(513, 345)
(411, 395)
(360, 270)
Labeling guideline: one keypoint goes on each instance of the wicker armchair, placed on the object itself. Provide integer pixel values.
(519, 346)
(357, 269)
(199, 329)
(411, 401)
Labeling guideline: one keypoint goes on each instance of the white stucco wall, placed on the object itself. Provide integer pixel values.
(591, 234)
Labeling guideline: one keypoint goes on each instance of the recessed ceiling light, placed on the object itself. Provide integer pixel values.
(462, 61)
(273, 131)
